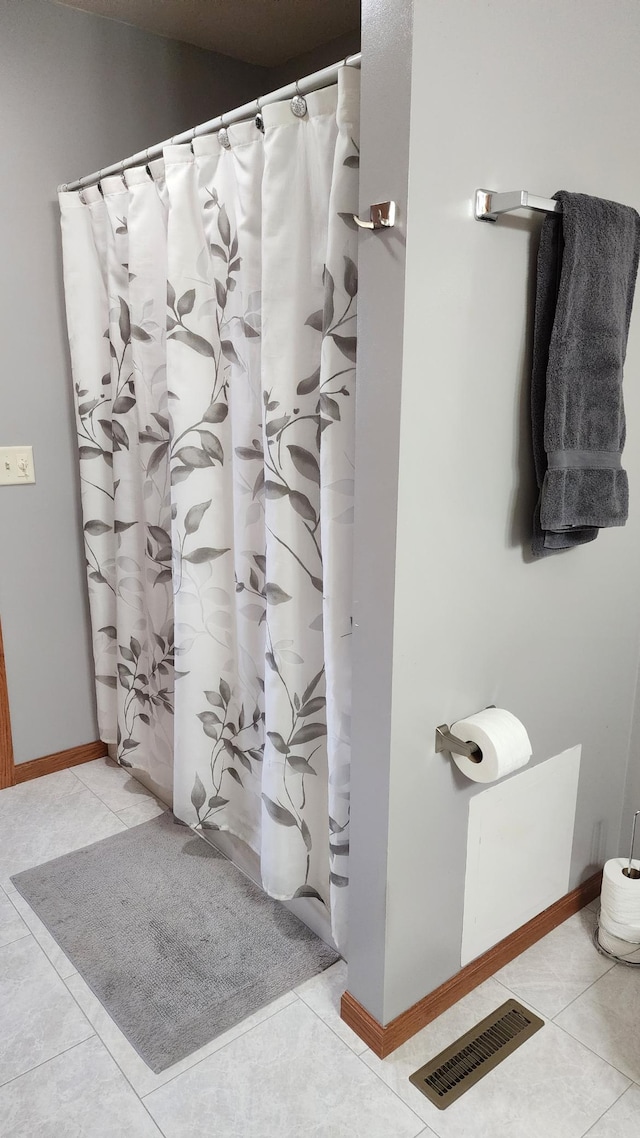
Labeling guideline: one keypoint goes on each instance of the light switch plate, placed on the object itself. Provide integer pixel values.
(16, 466)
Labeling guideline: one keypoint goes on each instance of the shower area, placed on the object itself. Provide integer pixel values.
(211, 291)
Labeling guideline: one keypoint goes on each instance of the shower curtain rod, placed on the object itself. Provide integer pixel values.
(304, 86)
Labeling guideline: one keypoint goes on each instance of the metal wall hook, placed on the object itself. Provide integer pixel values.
(382, 216)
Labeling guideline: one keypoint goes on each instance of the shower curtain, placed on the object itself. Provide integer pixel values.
(211, 304)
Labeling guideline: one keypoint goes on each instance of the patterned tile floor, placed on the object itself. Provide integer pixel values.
(293, 1069)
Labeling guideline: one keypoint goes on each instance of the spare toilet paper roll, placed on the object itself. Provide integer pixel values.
(620, 901)
(502, 739)
(623, 949)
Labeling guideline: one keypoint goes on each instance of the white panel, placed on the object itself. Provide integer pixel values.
(519, 843)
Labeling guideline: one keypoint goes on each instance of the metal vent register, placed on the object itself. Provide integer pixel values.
(465, 1062)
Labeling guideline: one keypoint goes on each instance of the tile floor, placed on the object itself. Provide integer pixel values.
(293, 1069)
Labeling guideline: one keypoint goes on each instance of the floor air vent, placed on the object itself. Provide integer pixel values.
(466, 1061)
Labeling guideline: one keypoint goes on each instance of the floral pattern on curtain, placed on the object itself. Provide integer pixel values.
(211, 306)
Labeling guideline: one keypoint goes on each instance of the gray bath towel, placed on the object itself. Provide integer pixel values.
(587, 266)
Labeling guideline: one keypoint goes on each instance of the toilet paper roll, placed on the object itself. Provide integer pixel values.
(620, 901)
(502, 739)
(623, 949)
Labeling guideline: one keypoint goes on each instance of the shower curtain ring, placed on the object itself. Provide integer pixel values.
(223, 135)
(259, 119)
(298, 103)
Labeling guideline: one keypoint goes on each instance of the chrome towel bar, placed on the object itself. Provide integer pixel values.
(489, 204)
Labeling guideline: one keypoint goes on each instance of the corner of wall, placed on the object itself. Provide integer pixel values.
(385, 99)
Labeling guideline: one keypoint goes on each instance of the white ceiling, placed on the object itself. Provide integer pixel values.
(262, 32)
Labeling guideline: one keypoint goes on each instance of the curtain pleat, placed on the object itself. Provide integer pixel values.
(83, 223)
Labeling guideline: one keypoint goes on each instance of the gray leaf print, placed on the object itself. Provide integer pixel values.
(198, 794)
(276, 595)
(195, 515)
(305, 462)
(205, 553)
(279, 813)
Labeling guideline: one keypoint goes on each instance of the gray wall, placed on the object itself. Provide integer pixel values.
(77, 92)
(311, 61)
(504, 95)
(632, 789)
(384, 171)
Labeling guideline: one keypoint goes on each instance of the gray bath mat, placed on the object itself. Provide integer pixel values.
(175, 942)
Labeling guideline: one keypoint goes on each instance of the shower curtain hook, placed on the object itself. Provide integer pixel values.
(223, 135)
(298, 103)
(259, 118)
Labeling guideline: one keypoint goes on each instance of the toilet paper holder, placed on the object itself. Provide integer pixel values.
(445, 741)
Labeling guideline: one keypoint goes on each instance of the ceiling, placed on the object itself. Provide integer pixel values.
(262, 32)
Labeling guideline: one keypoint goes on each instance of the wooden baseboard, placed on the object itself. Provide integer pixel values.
(383, 1039)
(6, 741)
(59, 761)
